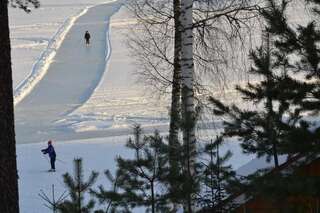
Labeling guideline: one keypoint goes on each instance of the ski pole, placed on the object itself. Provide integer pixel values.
(46, 158)
(61, 161)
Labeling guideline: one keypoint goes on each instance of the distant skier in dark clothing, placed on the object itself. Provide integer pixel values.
(87, 37)
(52, 154)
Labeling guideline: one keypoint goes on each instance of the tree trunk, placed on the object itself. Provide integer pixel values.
(269, 106)
(79, 200)
(176, 81)
(153, 208)
(187, 96)
(271, 130)
(175, 114)
(9, 200)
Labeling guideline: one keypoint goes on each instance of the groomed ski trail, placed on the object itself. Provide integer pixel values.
(73, 74)
(41, 66)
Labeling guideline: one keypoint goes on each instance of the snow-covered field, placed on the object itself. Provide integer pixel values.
(97, 154)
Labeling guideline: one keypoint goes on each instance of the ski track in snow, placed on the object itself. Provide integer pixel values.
(59, 84)
(107, 57)
(41, 66)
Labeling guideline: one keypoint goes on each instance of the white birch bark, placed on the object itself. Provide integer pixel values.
(187, 48)
(187, 75)
(187, 72)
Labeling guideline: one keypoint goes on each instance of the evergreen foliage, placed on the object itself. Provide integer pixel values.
(286, 98)
(113, 199)
(289, 67)
(215, 176)
(52, 202)
(25, 4)
(146, 179)
(301, 52)
(261, 130)
(138, 180)
(77, 188)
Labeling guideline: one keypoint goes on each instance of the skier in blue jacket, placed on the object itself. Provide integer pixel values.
(52, 154)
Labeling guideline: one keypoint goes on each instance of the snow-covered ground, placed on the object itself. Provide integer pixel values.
(97, 154)
(53, 102)
(54, 74)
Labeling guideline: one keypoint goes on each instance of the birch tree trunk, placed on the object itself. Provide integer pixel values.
(175, 113)
(187, 95)
(8, 167)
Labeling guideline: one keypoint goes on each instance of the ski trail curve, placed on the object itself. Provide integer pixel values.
(41, 66)
(108, 51)
(75, 71)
